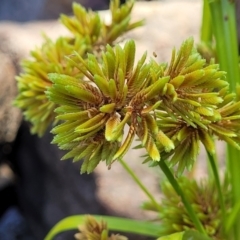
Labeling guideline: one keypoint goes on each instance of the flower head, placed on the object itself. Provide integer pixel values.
(171, 109)
(192, 109)
(33, 82)
(203, 198)
(93, 230)
(90, 35)
(88, 24)
(95, 109)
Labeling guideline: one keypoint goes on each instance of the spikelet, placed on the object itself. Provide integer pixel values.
(121, 17)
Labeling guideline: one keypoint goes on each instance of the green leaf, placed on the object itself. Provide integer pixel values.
(231, 218)
(175, 236)
(114, 224)
(194, 235)
(187, 235)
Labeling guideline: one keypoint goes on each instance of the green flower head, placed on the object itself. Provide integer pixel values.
(33, 82)
(96, 109)
(94, 230)
(170, 109)
(90, 34)
(196, 107)
(88, 24)
(204, 199)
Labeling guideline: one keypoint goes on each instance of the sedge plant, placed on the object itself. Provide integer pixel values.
(97, 98)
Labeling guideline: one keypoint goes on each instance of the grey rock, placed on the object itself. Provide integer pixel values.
(10, 116)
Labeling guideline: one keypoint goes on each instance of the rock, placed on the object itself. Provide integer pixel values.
(49, 190)
(10, 116)
(13, 226)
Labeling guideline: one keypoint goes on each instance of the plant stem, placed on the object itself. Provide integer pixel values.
(218, 30)
(139, 183)
(212, 159)
(231, 43)
(180, 192)
(224, 24)
(206, 28)
(233, 169)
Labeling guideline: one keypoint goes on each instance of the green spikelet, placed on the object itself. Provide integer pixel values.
(34, 81)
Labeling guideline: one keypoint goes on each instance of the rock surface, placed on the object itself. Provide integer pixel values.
(168, 23)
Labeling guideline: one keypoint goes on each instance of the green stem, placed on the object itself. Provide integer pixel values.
(180, 192)
(218, 29)
(212, 159)
(231, 43)
(233, 168)
(206, 28)
(139, 183)
(224, 24)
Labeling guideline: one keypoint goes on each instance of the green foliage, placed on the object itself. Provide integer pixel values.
(194, 235)
(187, 235)
(113, 224)
(175, 236)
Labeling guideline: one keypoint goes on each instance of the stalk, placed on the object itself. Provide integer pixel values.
(206, 28)
(139, 183)
(180, 192)
(225, 31)
(213, 161)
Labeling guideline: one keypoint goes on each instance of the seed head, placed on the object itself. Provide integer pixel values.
(95, 109)
(203, 197)
(93, 230)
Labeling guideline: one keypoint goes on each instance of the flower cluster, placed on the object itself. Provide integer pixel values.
(203, 198)
(196, 107)
(93, 230)
(33, 82)
(89, 34)
(95, 109)
(171, 109)
(192, 90)
(88, 24)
